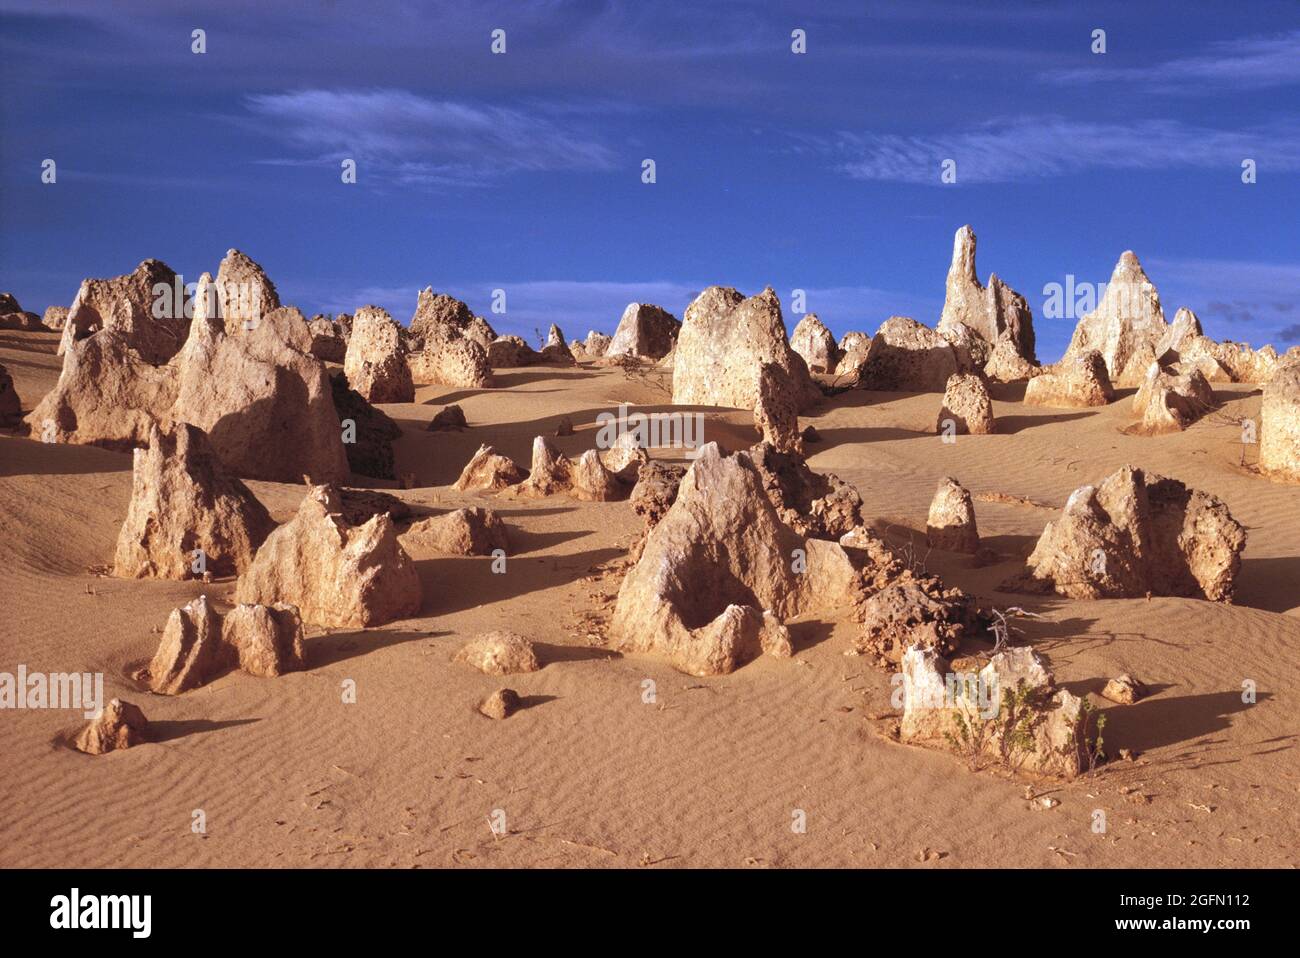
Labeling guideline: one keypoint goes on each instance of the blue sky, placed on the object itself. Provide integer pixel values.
(522, 171)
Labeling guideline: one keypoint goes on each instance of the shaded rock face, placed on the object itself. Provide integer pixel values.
(557, 356)
(1243, 364)
(488, 469)
(951, 523)
(509, 352)
(552, 472)
(646, 331)
(1076, 382)
(501, 704)
(814, 342)
(854, 351)
(439, 314)
(198, 644)
(480, 331)
(9, 304)
(724, 341)
(20, 319)
(913, 612)
(327, 342)
(656, 490)
(265, 402)
(1138, 533)
(1005, 365)
(1178, 336)
(499, 653)
(625, 458)
(106, 395)
(375, 362)
(448, 419)
(336, 574)
(126, 304)
(11, 407)
(369, 443)
(1010, 712)
(1168, 402)
(816, 505)
(361, 505)
(967, 408)
(1127, 326)
(265, 640)
(183, 500)
(909, 357)
(776, 414)
(967, 343)
(717, 575)
(452, 361)
(1279, 424)
(996, 313)
(244, 293)
(191, 652)
(464, 532)
(120, 725)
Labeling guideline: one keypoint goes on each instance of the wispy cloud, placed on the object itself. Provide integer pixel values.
(1021, 148)
(410, 140)
(1248, 63)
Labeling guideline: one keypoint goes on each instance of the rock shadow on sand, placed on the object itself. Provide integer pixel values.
(334, 647)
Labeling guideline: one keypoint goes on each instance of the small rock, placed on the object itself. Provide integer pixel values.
(119, 725)
(966, 407)
(448, 418)
(500, 704)
(474, 531)
(489, 470)
(499, 653)
(1124, 690)
(951, 522)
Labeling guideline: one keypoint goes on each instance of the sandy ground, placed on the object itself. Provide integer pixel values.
(590, 775)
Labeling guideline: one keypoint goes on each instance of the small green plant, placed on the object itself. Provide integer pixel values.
(972, 736)
(1094, 744)
(1007, 738)
(1020, 714)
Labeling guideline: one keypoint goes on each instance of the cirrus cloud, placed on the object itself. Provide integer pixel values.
(411, 140)
(1022, 148)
